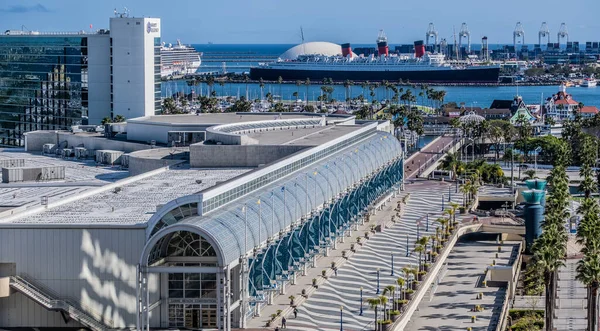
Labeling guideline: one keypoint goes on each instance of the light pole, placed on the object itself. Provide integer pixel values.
(341, 318)
(442, 202)
(427, 223)
(392, 272)
(449, 193)
(377, 281)
(407, 252)
(361, 301)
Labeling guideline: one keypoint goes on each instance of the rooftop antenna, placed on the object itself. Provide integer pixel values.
(544, 33)
(518, 33)
(431, 32)
(563, 33)
(464, 32)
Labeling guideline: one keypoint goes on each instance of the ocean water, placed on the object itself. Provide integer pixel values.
(240, 57)
(472, 96)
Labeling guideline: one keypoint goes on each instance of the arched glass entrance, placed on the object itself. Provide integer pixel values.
(191, 283)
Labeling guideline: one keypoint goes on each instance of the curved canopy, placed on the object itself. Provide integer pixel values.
(273, 208)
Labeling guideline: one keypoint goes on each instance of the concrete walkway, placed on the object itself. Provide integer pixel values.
(426, 156)
(455, 296)
(571, 303)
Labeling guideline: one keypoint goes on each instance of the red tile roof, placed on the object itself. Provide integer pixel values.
(566, 102)
(589, 110)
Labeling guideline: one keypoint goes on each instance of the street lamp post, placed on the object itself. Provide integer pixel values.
(377, 281)
(442, 202)
(427, 223)
(407, 252)
(361, 301)
(341, 318)
(449, 193)
(392, 272)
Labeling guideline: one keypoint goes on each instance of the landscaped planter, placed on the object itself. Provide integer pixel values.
(384, 325)
(399, 304)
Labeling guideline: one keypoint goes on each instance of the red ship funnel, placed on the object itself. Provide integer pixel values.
(383, 49)
(346, 50)
(419, 48)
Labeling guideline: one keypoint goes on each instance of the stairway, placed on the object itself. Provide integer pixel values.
(52, 302)
(571, 307)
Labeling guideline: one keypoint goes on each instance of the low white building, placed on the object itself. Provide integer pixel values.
(561, 106)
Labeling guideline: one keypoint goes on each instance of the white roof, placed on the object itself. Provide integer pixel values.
(315, 47)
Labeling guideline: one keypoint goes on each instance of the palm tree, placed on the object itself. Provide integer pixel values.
(390, 290)
(443, 222)
(588, 272)
(280, 81)
(383, 301)
(374, 304)
(549, 259)
(307, 83)
(451, 162)
(419, 249)
(298, 83)
(530, 174)
(401, 281)
(261, 84)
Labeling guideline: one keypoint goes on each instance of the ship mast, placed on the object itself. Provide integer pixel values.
(302, 36)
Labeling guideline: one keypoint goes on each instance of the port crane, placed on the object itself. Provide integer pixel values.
(518, 33)
(563, 33)
(464, 32)
(544, 33)
(431, 32)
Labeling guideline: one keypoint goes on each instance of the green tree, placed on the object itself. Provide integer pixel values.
(106, 120)
(119, 119)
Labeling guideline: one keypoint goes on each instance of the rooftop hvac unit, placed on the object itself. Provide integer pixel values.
(125, 161)
(108, 157)
(81, 153)
(12, 163)
(67, 152)
(48, 148)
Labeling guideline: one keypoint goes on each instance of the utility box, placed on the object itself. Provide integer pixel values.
(80, 152)
(12, 163)
(23, 174)
(105, 156)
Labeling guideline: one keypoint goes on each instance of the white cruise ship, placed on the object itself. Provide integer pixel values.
(178, 59)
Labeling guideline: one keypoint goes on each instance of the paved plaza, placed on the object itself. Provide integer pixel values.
(322, 309)
(450, 305)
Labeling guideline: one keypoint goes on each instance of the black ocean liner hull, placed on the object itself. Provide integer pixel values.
(466, 75)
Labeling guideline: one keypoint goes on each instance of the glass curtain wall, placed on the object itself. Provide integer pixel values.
(43, 84)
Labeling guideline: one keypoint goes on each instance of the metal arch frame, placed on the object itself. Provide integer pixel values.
(167, 208)
(257, 243)
(279, 220)
(323, 192)
(358, 167)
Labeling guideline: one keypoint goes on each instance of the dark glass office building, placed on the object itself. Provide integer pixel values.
(43, 84)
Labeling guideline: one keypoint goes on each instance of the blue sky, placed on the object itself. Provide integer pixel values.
(279, 21)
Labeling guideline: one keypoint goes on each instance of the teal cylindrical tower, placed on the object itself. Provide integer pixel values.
(534, 216)
(538, 184)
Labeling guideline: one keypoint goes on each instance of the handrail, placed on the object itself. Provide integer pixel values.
(53, 300)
